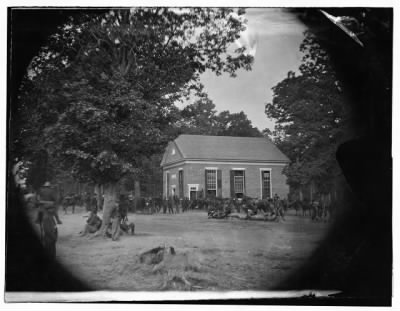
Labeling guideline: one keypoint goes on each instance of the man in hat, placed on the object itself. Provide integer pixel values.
(92, 224)
(47, 199)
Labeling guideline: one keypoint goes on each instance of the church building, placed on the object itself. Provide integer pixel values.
(223, 166)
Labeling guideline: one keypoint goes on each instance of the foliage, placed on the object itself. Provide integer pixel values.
(101, 94)
(311, 118)
(201, 118)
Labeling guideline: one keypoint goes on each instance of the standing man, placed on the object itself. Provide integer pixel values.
(88, 201)
(278, 208)
(93, 204)
(47, 217)
(47, 198)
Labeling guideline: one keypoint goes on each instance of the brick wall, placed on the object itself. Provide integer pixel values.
(195, 174)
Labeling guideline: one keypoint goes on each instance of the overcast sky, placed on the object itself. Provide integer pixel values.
(274, 36)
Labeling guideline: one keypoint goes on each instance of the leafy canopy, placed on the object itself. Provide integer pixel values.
(100, 96)
(311, 117)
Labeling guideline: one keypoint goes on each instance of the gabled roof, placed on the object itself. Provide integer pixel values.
(202, 147)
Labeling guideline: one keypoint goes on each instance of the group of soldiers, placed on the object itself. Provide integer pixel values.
(214, 206)
(118, 224)
(48, 218)
(321, 208)
(88, 200)
(47, 202)
(270, 209)
(171, 205)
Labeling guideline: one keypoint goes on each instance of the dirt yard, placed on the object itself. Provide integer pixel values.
(210, 254)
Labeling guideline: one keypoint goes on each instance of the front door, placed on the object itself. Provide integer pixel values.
(193, 189)
(193, 194)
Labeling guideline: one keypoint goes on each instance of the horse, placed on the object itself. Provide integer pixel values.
(326, 205)
(306, 207)
(67, 202)
(157, 204)
(296, 205)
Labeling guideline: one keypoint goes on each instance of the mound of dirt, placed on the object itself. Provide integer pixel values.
(156, 255)
(175, 269)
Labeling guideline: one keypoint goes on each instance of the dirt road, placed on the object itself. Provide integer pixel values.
(210, 254)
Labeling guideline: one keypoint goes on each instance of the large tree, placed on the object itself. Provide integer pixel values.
(99, 96)
(311, 118)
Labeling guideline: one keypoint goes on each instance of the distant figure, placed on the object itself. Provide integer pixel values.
(170, 204)
(123, 206)
(278, 207)
(93, 203)
(68, 201)
(88, 202)
(115, 224)
(315, 210)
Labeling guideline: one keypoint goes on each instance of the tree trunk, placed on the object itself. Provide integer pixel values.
(97, 191)
(110, 198)
(300, 194)
(137, 188)
(137, 193)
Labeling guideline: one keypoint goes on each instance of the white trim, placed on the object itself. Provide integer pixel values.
(261, 181)
(180, 169)
(235, 163)
(237, 169)
(193, 186)
(180, 163)
(211, 168)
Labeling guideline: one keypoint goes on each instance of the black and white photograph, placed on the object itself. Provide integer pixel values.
(199, 154)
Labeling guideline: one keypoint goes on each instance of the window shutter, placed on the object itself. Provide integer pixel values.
(232, 184)
(244, 183)
(180, 181)
(219, 183)
(205, 183)
(167, 192)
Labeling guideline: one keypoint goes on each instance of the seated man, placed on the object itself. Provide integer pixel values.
(127, 226)
(92, 224)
